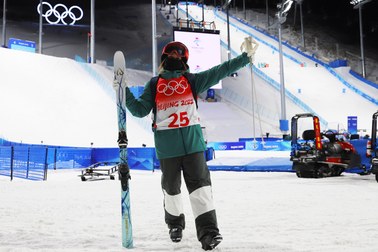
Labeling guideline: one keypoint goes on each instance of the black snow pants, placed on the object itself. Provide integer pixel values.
(198, 183)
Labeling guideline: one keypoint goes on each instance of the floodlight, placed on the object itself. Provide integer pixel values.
(357, 3)
(286, 6)
(226, 4)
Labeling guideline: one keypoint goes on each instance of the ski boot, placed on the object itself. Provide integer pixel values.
(175, 234)
(211, 240)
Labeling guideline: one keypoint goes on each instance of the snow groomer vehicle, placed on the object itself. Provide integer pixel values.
(372, 147)
(319, 154)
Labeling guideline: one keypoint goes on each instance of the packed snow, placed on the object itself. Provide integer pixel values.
(256, 211)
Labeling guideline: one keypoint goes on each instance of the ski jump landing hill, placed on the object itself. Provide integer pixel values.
(311, 85)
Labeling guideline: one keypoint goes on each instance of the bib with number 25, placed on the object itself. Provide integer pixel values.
(175, 104)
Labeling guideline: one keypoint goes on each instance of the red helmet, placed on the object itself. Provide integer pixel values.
(178, 47)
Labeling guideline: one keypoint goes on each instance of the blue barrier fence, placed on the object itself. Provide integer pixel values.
(33, 161)
(23, 162)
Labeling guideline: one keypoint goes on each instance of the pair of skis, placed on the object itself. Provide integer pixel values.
(119, 85)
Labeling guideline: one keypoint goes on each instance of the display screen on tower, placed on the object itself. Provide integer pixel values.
(204, 48)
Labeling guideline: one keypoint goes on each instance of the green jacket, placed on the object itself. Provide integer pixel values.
(182, 141)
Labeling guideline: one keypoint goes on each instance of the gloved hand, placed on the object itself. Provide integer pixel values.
(249, 46)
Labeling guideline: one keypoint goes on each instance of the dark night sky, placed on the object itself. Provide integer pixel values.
(337, 15)
(330, 12)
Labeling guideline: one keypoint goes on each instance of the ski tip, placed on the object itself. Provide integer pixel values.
(119, 60)
(118, 55)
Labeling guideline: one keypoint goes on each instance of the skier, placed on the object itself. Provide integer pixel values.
(178, 136)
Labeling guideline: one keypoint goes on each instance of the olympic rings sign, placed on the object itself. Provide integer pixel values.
(172, 87)
(222, 147)
(60, 13)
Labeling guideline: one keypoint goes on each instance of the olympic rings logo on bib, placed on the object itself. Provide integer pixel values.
(172, 87)
(60, 13)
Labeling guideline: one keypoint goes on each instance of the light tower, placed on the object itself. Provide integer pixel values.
(283, 9)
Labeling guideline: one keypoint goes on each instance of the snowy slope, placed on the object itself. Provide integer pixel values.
(325, 94)
(58, 102)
